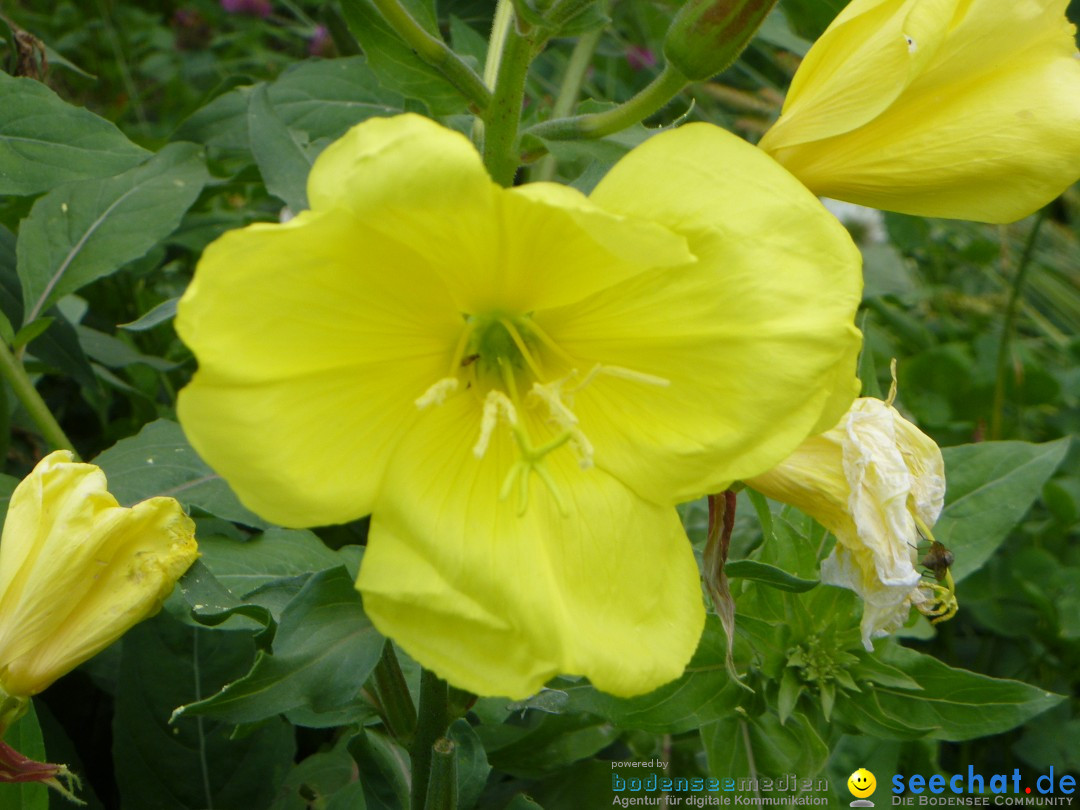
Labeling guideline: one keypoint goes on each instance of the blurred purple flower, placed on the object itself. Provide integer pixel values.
(191, 30)
(640, 57)
(251, 8)
(321, 43)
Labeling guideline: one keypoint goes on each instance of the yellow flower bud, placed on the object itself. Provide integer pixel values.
(77, 569)
(873, 481)
(948, 108)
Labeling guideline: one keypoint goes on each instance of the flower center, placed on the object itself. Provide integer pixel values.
(511, 365)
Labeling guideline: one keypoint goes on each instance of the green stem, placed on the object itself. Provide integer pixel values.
(573, 79)
(12, 371)
(504, 115)
(443, 789)
(430, 726)
(997, 414)
(435, 52)
(397, 705)
(596, 125)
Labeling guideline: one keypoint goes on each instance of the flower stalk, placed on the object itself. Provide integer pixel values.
(14, 372)
(431, 726)
(504, 115)
(652, 98)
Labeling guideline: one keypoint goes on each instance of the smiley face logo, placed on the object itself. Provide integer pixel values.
(862, 783)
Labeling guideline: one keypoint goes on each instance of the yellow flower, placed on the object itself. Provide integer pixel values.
(519, 384)
(948, 108)
(77, 570)
(874, 481)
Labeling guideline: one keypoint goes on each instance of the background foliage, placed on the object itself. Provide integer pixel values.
(158, 126)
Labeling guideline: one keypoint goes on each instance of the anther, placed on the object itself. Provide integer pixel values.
(437, 393)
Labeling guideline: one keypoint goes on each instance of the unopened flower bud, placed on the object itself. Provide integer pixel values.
(706, 36)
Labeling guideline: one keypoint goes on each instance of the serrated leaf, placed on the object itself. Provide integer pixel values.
(45, 142)
(324, 650)
(83, 231)
(192, 763)
(395, 63)
(321, 98)
(159, 461)
(769, 575)
(991, 486)
(283, 161)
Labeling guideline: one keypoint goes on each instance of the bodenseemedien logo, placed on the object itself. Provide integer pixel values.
(862, 785)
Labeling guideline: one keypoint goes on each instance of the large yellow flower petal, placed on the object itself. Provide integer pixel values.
(752, 340)
(497, 602)
(313, 341)
(424, 185)
(77, 570)
(938, 108)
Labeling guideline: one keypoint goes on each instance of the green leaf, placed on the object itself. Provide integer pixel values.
(769, 575)
(953, 704)
(212, 604)
(323, 774)
(703, 694)
(86, 230)
(115, 353)
(321, 98)
(165, 311)
(472, 764)
(810, 18)
(25, 737)
(244, 567)
(739, 745)
(395, 63)
(550, 743)
(31, 331)
(159, 461)
(324, 650)
(191, 763)
(283, 161)
(991, 486)
(44, 141)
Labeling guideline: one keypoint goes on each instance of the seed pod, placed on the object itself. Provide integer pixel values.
(707, 35)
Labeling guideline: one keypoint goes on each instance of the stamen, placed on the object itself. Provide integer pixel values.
(459, 349)
(534, 327)
(437, 393)
(621, 373)
(892, 386)
(495, 402)
(561, 414)
(520, 343)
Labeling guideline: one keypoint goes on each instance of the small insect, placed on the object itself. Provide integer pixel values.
(938, 560)
(469, 359)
